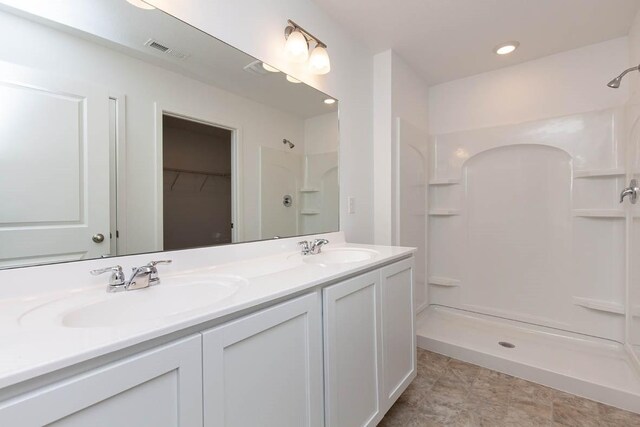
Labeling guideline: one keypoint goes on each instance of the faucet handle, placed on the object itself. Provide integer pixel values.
(153, 277)
(305, 247)
(117, 275)
(162, 261)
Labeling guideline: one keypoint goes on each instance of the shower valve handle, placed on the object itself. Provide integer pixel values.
(632, 191)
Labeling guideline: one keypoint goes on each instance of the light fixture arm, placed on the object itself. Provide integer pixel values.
(307, 35)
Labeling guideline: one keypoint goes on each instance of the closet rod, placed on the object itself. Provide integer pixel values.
(197, 172)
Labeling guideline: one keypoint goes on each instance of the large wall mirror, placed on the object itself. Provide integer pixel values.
(124, 130)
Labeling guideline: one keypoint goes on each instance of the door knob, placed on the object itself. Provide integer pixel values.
(98, 238)
(632, 191)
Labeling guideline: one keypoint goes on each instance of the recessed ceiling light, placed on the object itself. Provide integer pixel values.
(141, 4)
(292, 79)
(506, 48)
(329, 101)
(269, 68)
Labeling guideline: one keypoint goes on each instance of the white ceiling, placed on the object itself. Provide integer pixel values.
(121, 26)
(449, 39)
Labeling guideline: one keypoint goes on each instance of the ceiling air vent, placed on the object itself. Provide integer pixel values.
(256, 68)
(154, 44)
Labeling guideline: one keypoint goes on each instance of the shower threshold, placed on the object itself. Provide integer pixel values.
(590, 367)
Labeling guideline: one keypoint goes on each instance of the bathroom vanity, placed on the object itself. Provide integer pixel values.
(257, 335)
(156, 139)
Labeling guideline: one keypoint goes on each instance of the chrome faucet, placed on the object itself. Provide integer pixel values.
(141, 277)
(312, 248)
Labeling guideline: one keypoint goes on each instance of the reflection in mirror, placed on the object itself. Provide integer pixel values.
(125, 130)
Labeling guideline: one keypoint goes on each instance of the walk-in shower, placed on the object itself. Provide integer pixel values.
(527, 241)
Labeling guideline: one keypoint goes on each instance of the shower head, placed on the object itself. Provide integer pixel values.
(615, 83)
(287, 142)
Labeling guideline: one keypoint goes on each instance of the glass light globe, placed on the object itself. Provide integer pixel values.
(296, 47)
(319, 62)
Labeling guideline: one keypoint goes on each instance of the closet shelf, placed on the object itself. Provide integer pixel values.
(444, 181)
(599, 305)
(222, 174)
(309, 212)
(599, 213)
(194, 172)
(444, 212)
(446, 282)
(598, 173)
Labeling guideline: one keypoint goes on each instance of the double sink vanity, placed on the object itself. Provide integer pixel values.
(256, 334)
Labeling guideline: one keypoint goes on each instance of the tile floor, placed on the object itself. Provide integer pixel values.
(448, 392)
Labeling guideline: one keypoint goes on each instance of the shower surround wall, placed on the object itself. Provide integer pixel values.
(526, 165)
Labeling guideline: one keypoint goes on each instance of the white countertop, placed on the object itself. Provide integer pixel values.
(34, 342)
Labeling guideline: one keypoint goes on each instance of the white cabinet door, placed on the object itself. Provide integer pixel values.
(157, 388)
(353, 352)
(265, 369)
(398, 334)
(54, 168)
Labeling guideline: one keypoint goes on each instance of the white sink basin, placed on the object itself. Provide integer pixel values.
(334, 256)
(99, 309)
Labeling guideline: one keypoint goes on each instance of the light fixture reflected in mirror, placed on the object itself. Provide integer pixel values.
(269, 68)
(506, 48)
(297, 49)
(329, 101)
(141, 4)
(292, 79)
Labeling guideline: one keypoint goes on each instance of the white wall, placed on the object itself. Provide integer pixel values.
(398, 93)
(566, 83)
(256, 27)
(400, 151)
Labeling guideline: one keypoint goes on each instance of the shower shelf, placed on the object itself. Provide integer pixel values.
(309, 212)
(599, 305)
(446, 282)
(444, 212)
(598, 173)
(309, 190)
(599, 213)
(444, 181)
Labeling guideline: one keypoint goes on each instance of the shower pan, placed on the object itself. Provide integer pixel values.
(529, 252)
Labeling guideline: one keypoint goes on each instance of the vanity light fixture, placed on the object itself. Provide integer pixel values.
(297, 49)
(329, 101)
(141, 4)
(269, 68)
(292, 79)
(506, 48)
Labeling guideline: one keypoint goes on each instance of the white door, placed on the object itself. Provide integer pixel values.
(353, 352)
(265, 369)
(54, 168)
(158, 388)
